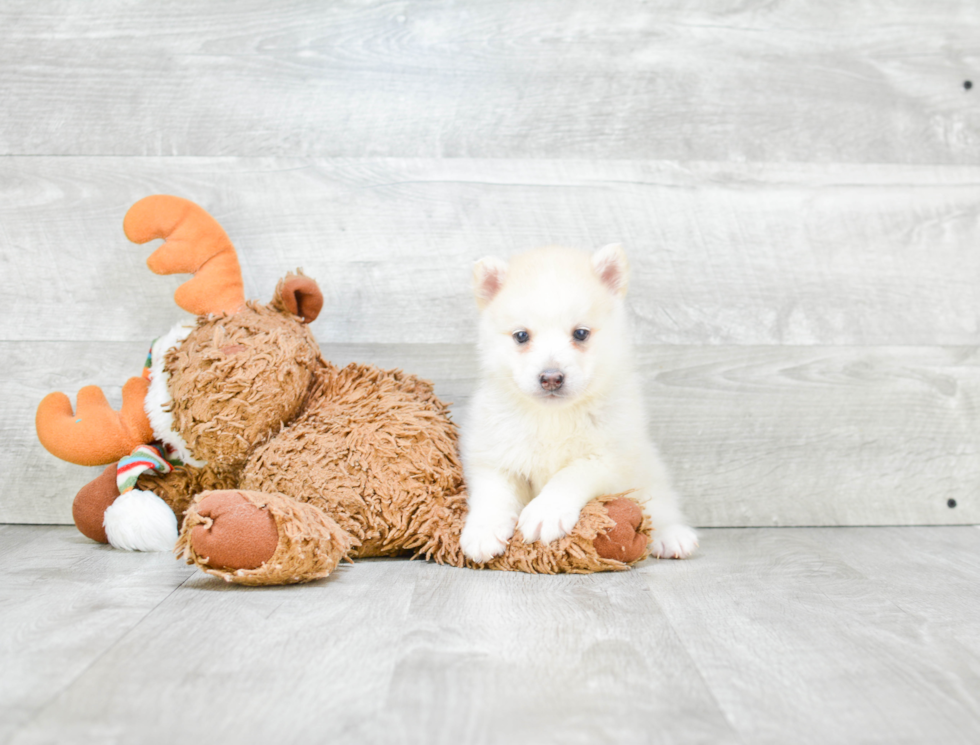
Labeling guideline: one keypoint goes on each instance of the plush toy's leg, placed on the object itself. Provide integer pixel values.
(611, 534)
(258, 538)
(91, 502)
(140, 521)
(135, 521)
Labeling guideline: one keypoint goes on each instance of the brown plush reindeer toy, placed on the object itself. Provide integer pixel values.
(274, 463)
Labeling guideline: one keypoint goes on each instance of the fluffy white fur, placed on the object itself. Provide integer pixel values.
(533, 457)
(140, 521)
(158, 399)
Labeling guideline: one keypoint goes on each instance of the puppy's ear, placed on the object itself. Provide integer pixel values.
(612, 268)
(489, 274)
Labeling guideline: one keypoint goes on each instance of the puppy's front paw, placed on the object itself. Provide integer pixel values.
(485, 536)
(547, 519)
(673, 542)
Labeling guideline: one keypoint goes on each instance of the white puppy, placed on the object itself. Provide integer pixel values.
(558, 416)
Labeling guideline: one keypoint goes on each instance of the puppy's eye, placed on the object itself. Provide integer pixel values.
(581, 334)
(521, 337)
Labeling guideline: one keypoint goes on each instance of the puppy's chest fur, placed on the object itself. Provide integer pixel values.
(536, 445)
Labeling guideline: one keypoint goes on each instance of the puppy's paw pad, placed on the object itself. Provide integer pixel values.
(673, 542)
(481, 540)
(547, 521)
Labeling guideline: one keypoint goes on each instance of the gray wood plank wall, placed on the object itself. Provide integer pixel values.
(798, 186)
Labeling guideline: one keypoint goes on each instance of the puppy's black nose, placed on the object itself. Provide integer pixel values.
(551, 380)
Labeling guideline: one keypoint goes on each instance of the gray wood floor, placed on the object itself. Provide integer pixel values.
(770, 635)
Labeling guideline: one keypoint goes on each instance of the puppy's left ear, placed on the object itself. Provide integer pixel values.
(612, 268)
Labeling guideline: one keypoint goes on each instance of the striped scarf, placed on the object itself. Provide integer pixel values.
(152, 457)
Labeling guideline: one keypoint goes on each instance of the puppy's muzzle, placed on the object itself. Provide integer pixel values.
(551, 380)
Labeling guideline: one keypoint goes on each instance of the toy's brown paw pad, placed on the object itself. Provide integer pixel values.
(235, 534)
(622, 542)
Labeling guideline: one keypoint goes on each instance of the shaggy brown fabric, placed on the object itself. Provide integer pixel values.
(374, 450)
(310, 543)
(574, 554)
(237, 379)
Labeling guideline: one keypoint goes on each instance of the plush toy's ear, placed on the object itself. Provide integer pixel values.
(195, 243)
(612, 267)
(301, 296)
(489, 274)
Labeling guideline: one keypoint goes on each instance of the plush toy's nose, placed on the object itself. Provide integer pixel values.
(94, 435)
(551, 380)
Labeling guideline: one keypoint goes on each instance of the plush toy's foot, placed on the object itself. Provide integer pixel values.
(257, 538)
(135, 521)
(612, 533)
(625, 541)
(91, 502)
(235, 533)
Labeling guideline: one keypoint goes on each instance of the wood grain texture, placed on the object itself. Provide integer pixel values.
(721, 254)
(814, 636)
(37, 487)
(392, 651)
(64, 602)
(277, 664)
(512, 658)
(905, 567)
(788, 81)
(753, 435)
(818, 435)
(819, 635)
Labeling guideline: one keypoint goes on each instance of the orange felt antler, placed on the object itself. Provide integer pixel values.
(95, 434)
(195, 243)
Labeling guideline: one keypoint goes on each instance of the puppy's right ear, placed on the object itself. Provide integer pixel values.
(489, 274)
(612, 268)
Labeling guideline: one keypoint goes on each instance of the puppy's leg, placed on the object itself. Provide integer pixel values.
(553, 513)
(494, 504)
(672, 537)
